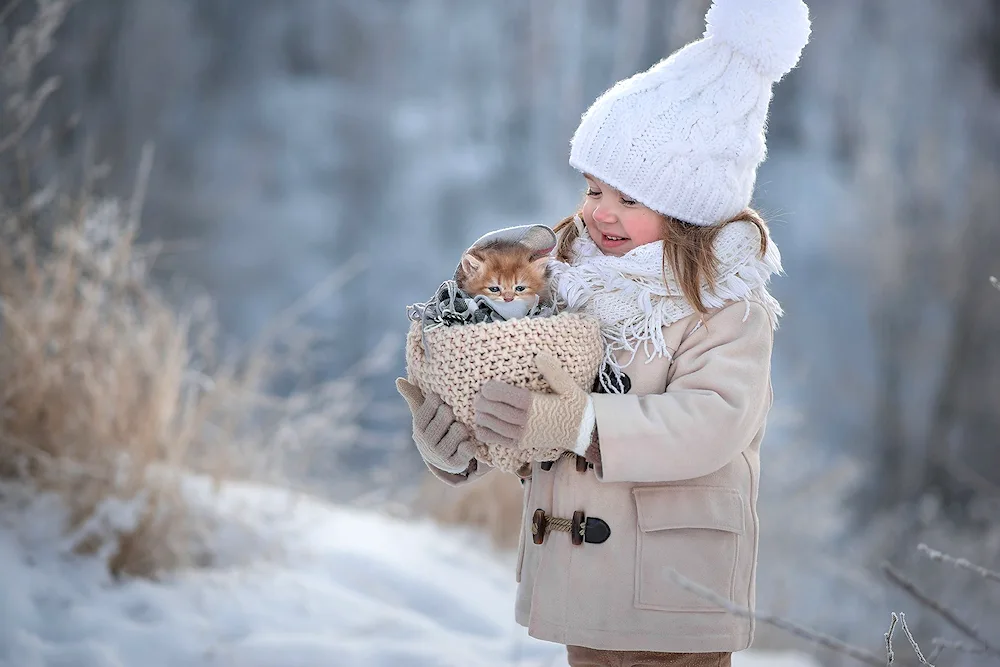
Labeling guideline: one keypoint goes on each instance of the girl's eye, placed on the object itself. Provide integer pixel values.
(629, 202)
(494, 289)
(591, 192)
(519, 288)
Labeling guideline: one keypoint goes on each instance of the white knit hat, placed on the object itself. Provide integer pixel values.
(685, 137)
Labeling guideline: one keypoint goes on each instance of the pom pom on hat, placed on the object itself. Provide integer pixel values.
(771, 33)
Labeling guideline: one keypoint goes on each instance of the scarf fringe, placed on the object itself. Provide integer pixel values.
(634, 298)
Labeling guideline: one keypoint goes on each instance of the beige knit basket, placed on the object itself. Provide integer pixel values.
(464, 357)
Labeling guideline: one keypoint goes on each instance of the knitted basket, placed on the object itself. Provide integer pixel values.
(464, 357)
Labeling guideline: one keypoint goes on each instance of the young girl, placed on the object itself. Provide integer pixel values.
(661, 473)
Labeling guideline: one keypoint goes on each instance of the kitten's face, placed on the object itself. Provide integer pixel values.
(504, 273)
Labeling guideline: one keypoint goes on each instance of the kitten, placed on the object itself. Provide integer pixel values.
(513, 276)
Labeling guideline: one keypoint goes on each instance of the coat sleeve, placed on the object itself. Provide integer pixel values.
(714, 404)
(475, 470)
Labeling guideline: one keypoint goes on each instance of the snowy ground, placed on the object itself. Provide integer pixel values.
(297, 583)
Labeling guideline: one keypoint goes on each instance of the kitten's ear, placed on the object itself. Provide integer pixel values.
(540, 262)
(471, 263)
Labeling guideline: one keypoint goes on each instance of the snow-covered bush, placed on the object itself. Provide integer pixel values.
(109, 392)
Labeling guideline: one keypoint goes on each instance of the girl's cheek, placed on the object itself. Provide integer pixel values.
(588, 221)
(645, 228)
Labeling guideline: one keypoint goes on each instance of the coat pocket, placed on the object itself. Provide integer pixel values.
(523, 539)
(694, 530)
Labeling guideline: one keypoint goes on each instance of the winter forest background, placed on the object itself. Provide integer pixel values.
(326, 161)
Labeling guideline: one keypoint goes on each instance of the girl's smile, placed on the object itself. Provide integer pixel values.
(611, 242)
(616, 222)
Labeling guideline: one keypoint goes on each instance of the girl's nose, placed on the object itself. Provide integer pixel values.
(603, 215)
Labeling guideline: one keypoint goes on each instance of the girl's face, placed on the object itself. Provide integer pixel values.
(617, 223)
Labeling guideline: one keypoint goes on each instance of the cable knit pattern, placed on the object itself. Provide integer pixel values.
(463, 358)
(556, 417)
(686, 136)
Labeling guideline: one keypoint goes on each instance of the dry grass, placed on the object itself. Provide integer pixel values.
(98, 386)
(94, 371)
(108, 394)
(492, 504)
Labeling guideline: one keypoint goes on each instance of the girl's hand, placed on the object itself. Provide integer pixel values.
(521, 419)
(442, 440)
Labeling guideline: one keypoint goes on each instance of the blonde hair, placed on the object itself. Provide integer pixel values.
(688, 250)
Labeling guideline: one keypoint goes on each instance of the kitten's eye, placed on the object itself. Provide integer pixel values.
(629, 202)
(494, 289)
(591, 192)
(520, 288)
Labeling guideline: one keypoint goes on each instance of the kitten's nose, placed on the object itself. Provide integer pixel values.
(508, 297)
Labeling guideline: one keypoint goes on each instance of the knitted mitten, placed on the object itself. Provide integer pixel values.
(518, 418)
(441, 440)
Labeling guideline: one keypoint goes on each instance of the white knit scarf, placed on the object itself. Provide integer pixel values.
(635, 296)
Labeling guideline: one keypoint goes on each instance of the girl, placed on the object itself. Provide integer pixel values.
(659, 485)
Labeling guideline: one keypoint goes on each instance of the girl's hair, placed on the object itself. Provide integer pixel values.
(687, 249)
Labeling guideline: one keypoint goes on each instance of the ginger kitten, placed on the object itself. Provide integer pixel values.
(513, 276)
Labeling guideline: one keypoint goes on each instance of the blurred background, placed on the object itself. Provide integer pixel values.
(332, 158)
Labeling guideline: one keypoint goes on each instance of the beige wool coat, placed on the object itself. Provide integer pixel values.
(677, 484)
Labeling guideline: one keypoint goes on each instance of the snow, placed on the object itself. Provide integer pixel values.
(295, 582)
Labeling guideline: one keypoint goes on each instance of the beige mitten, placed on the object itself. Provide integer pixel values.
(441, 440)
(518, 418)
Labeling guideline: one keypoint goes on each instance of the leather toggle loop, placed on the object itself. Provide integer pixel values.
(581, 528)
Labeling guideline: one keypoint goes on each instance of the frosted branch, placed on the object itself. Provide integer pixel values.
(960, 563)
(818, 638)
(913, 642)
(889, 655)
(948, 615)
(942, 644)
